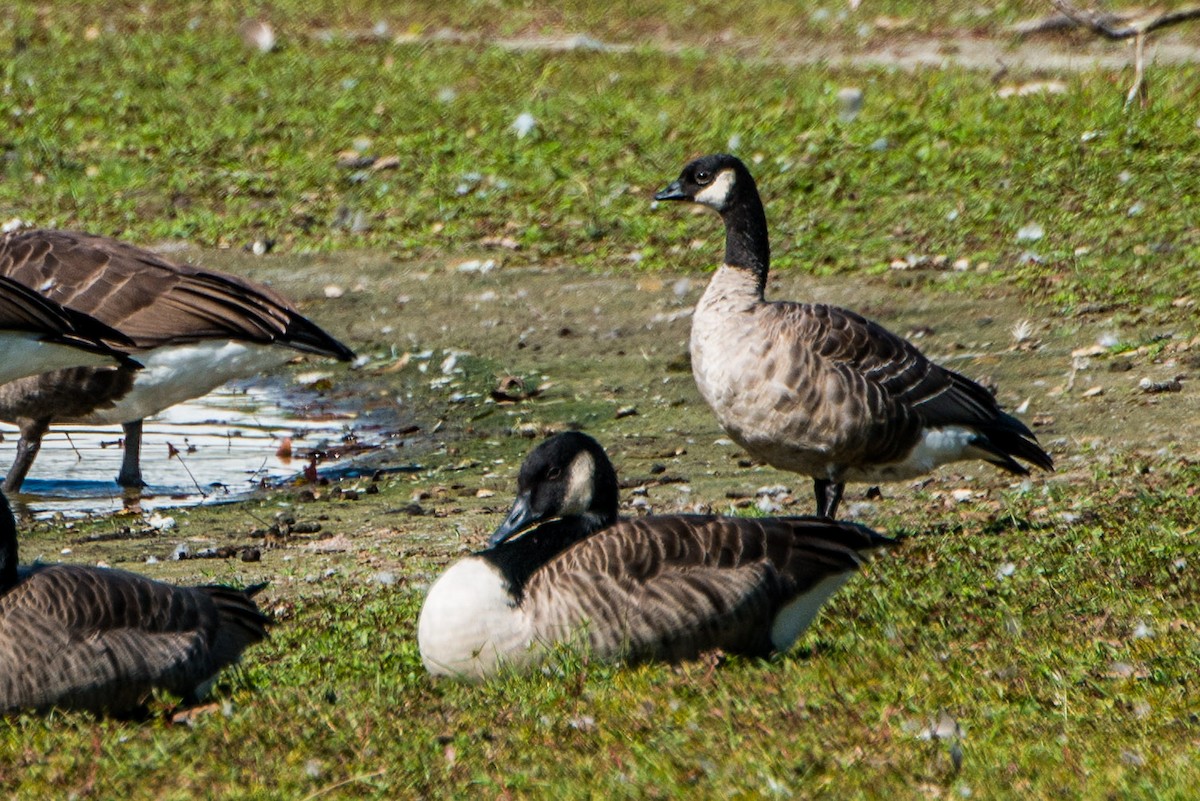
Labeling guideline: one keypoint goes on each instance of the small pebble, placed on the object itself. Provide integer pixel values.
(850, 103)
(1030, 233)
(524, 124)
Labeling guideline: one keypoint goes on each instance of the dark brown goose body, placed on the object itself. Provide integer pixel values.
(103, 640)
(170, 311)
(821, 390)
(153, 301)
(673, 587)
(38, 335)
(24, 310)
(564, 569)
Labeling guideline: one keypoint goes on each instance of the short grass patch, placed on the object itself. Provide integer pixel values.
(1027, 639)
(176, 130)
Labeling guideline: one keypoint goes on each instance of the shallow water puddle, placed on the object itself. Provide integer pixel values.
(211, 449)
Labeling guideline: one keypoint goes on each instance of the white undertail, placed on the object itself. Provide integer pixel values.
(792, 620)
(177, 373)
(937, 446)
(25, 354)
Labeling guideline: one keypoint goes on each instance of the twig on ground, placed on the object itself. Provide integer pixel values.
(1057, 23)
(1106, 25)
(362, 777)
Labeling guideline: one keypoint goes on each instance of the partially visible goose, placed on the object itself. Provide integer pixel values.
(38, 335)
(820, 390)
(194, 330)
(100, 639)
(563, 568)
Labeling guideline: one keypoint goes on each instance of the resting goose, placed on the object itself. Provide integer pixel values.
(194, 330)
(37, 335)
(102, 640)
(563, 568)
(820, 390)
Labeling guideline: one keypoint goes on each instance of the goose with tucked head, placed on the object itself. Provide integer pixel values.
(820, 390)
(563, 568)
(103, 640)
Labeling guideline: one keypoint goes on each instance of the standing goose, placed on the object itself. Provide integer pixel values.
(819, 390)
(194, 330)
(102, 640)
(563, 568)
(37, 335)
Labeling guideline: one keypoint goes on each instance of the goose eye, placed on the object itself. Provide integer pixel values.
(703, 177)
(555, 474)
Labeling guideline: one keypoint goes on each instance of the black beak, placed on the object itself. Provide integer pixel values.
(672, 192)
(520, 517)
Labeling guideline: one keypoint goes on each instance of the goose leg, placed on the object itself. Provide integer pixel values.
(829, 495)
(131, 464)
(27, 450)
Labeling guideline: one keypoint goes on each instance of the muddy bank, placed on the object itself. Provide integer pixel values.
(595, 345)
(887, 49)
(459, 350)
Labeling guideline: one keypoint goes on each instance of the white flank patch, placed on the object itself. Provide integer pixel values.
(937, 447)
(469, 627)
(24, 354)
(177, 373)
(941, 445)
(717, 193)
(791, 621)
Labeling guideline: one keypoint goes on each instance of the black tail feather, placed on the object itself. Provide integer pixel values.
(305, 335)
(238, 610)
(1008, 439)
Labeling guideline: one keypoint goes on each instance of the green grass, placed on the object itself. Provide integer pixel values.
(764, 22)
(1028, 664)
(170, 131)
(1018, 614)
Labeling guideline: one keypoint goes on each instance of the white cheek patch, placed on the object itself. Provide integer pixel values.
(716, 194)
(579, 485)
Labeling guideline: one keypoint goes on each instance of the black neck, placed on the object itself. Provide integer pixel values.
(521, 557)
(747, 243)
(8, 546)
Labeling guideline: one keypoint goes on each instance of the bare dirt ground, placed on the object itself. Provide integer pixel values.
(622, 339)
(608, 354)
(898, 49)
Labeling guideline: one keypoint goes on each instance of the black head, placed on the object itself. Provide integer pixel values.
(723, 183)
(567, 475)
(712, 181)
